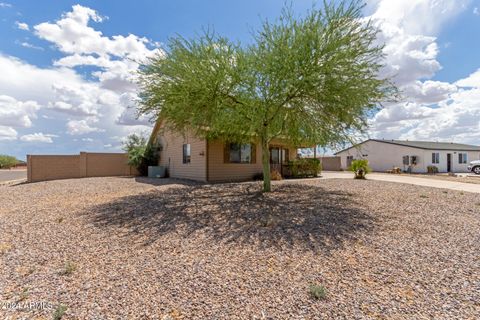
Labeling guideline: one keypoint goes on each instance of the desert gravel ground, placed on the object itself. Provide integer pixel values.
(124, 248)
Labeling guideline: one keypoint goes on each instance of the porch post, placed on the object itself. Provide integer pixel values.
(315, 152)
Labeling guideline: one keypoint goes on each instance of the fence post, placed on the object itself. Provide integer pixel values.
(83, 164)
(29, 168)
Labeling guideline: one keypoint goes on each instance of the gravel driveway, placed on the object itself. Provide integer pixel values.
(120, 248)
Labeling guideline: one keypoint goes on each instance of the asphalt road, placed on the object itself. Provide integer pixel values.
(8, 175)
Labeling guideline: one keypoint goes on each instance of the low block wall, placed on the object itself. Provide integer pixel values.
(331, 163)
(86, 164)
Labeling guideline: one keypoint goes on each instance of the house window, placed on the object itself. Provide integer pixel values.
(240, 153)
(187, 152)
(406, 160)
(462, 158)
(435, 158)
(413, 160)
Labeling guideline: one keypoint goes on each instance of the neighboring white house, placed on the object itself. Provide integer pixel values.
(416, 156)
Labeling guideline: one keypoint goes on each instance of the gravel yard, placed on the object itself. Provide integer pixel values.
(443, 177)
(124, 248)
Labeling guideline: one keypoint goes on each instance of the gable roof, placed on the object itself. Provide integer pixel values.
(426, 145)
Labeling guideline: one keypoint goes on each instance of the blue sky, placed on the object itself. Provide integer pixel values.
(68, 87)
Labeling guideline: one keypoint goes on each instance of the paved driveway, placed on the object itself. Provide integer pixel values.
(434, 183)
(8, 175)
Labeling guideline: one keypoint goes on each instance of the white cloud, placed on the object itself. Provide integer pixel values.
(472, 80)
(429, 110)
(476, 11)
(129, 116)
(29, 45)
(79, 127)
(117, 56)
(16, 113)
(5, 5)
(7, 133)
(424, 17)
(428, 92)
(22, 26)
(38, 137)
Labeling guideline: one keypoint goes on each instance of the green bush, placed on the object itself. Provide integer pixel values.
(318, 292)
(59, 312)
(432, 169)
(140, 154)
(304, 167)
(7, 162)
(360, 168)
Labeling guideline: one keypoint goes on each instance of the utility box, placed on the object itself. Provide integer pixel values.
(156, 171)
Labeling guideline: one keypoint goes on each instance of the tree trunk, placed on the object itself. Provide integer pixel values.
(267, 185)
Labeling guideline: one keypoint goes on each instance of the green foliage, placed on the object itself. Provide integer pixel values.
(7, 162)
(304, 167)
(68, 269)
(432, 169)
(360, 168)
(24, 295)
(310, 81)
(140, 154)
(59, 312)
(318, 291)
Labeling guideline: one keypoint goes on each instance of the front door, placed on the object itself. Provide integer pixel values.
(449, 162)
(277, 157)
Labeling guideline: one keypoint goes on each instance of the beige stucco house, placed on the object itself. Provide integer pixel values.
(383, 155)
(188, 157)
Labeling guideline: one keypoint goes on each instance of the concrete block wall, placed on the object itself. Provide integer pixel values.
(86, 164)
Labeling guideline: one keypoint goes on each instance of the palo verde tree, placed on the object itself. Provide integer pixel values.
(309, 81)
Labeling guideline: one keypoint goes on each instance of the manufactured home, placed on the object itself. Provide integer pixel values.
(411, 156)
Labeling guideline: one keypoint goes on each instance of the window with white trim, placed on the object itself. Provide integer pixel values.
(435, 158)
(462, 158)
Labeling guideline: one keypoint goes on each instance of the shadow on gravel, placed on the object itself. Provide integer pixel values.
(293, 215)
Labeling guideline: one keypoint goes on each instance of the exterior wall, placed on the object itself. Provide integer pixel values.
(456, 166)
(219, 171)
(171, 155)
(331, 163)
(384, 156)
(52, 167)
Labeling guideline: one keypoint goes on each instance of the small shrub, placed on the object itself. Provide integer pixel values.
(4, 247)
(59, 312)
(318, 292)
(432, 169)
(24, 295)
(304, 167)
(60, 220)
(360, 168)
(423, 196)
(275, 175)
(140, 154)
(69, 268)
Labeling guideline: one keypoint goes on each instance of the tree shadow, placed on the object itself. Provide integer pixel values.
(293, 215)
